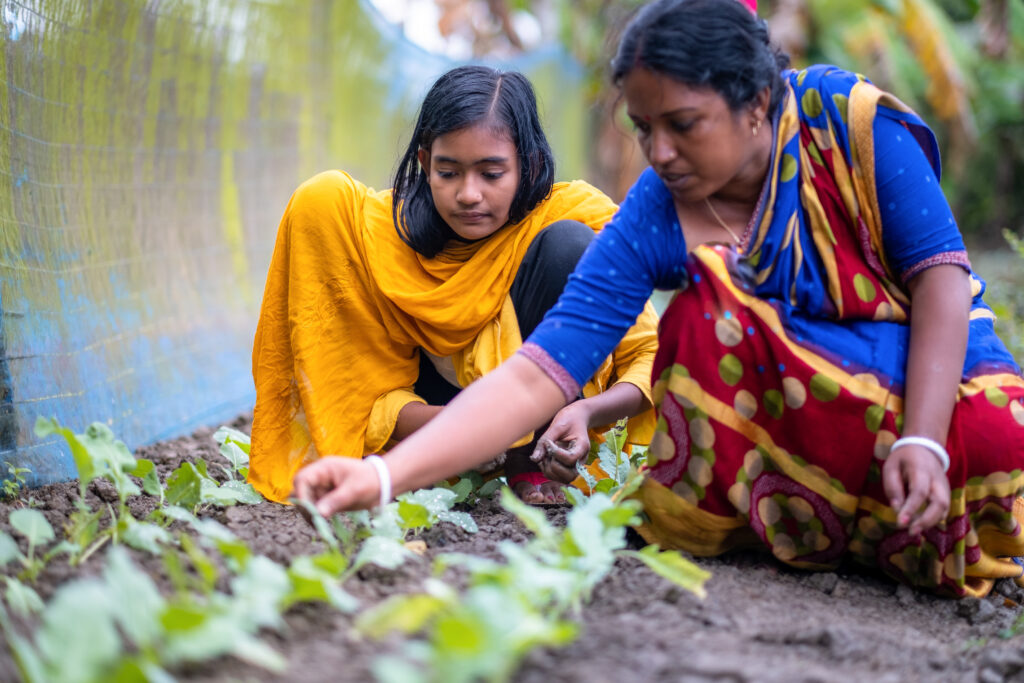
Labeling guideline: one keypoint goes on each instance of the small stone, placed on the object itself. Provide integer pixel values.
(986, 612)
(989, 676)
(905, 595)
(1006, 587)
(967, 607)
(825, 582)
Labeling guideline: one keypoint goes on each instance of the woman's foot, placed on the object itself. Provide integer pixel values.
(526, 480)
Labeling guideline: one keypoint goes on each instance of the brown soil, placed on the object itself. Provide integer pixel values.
(760, 620)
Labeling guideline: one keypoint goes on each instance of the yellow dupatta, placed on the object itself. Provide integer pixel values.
(347, 305)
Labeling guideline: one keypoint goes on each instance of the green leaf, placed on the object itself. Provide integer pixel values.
(243, 492)
(588, 478)
(463, 520)
(234, 454)
(619, 516)
(488, 488)
(183, 486)
(202, 563)
(67, 655)
(146, 471)
(389, 669)
(23, 600)
(32, 525)
(139, 603)
(605, 486)
(387, 553)
(145, 536)
(227, 434)
(8, 549)
(406, 614)
(413, 515)
(462, 489)
(574, 496)
(83, 460)
(312, 582)
(257, 653)
(671, 565)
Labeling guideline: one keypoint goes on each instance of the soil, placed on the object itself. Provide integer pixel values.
(760, 621)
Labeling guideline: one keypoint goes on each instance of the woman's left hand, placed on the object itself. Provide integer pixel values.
(565, 442)
(917, 488)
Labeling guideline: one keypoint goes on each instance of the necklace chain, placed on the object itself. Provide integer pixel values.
(721, 222)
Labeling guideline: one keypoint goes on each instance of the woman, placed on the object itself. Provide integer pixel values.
(380, 306)
(827, 379)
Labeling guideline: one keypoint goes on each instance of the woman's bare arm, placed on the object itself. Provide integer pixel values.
(913, 477)
(481, 422)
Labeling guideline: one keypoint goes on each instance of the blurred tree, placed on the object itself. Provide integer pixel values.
(959, 63)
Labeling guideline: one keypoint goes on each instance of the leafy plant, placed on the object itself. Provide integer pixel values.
(32, 525)
(13, 482)
(99, 455)
(513, 606)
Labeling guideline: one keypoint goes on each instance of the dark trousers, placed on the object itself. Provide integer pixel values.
(539, 282)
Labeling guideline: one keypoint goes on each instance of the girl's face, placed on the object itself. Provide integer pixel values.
(694, 142)
(473, 175)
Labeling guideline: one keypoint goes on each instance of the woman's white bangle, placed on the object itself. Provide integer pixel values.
(383, 475)
(924, 442)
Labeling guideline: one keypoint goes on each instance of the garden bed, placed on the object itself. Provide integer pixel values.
(759, 621)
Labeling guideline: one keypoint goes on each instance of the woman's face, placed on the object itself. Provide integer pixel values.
(473, 175)
(694, 142)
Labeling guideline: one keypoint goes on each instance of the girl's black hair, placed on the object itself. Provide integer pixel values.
(719, 44)
(463, 97)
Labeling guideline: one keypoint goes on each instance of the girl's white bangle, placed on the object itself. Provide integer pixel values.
(384, 475)
(934, 446)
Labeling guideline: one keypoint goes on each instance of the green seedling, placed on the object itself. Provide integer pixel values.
(191, 486)
(98, 454)
(514, 606)
(420, 510)
(137, 634)
(471, 487)
(32, 525)
(234, 446)
(13, 482)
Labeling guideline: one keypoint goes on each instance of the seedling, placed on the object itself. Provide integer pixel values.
(32, 525)
(13, 482)
(515, 606)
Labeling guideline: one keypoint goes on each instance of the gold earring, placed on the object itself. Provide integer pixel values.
(755, 128)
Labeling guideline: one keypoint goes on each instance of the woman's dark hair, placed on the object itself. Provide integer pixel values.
(719, 44)
(463, 97)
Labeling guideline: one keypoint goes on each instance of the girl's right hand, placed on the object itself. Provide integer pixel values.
(335, 484)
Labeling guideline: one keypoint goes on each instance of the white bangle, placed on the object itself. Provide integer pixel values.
(383, 475)
(924, 442)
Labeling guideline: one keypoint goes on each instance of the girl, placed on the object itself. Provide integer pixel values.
(380, 306)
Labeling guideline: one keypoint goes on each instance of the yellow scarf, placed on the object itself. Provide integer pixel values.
(347, 305)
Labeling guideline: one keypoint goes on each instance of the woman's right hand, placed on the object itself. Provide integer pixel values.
(335, 484)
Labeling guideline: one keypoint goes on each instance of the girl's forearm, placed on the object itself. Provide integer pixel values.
(466, 434)
(620, 400)
(411, 417)
(940, 309)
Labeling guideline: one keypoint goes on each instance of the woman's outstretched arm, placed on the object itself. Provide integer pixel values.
(481, 422)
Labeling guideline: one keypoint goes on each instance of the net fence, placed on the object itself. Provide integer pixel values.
(147, 150)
